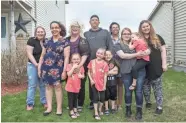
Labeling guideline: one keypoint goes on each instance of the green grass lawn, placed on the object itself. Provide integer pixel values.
(174, 89)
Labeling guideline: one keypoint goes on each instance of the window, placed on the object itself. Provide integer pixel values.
(3, 27)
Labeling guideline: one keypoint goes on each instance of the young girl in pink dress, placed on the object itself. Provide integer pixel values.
(98, 69)
(74, 83)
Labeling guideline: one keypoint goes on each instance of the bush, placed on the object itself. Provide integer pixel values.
(13, 65)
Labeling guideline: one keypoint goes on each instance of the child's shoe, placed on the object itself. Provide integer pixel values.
(29, 107)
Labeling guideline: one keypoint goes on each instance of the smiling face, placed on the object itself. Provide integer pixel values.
(55, 29)
(126, 35)
(75, 59)
(145, 28)
(108, 55)
(115, 29)
(40, 33)
(94, 22)
(100, 54)
(75, 30)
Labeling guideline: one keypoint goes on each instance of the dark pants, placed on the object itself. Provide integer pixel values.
(90, 93)
(72, 100)
(81, 95)
(111, 93)
(127, 81)
(140, 63)
(98, 95)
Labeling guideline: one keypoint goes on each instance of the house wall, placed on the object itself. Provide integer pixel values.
(163, 24)
(5, 44)
(48, 11)
(180, 33)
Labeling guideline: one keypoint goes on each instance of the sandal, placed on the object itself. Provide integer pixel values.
(97, 117)
(107, 112)
(77, 114)
(73, 116)
(132, 87)
(101, 113)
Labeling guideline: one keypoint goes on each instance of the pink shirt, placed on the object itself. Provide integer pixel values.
(73, 82)
(140, 45)
(98, 76)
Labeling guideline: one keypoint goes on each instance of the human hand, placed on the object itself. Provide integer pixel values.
(104, 88)
(140, 53)
(92, 83)
(63, 75)
(39, 73)
(164, 67)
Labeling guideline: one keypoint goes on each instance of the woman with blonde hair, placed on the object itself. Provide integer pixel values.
(157, 65)
(128, 61)
(78, 44)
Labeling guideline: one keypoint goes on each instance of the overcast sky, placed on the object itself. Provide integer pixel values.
(128, 13)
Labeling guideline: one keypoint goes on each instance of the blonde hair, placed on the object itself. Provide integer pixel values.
(137, 34)
(152, 34)
(77, 23)
(125, 29)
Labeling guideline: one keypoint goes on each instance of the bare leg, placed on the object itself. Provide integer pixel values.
(106, 105)
(49, 95)
(100, 108)
(113, 104)
(96, 108)
(58, 91)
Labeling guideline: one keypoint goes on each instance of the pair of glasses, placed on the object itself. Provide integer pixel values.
(126, 34)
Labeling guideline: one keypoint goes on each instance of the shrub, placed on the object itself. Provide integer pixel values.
(13, 65)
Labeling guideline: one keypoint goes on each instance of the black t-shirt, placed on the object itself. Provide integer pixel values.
(154, 68)
(35, 43)
(111, 79)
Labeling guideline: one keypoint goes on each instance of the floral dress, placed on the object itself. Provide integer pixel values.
(53, 62)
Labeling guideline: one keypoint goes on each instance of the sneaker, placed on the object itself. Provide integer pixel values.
(29, 107)
(107, 112)
(113, 111)
(148, 105)
(79, 108)
(77, 114)
(158, 111)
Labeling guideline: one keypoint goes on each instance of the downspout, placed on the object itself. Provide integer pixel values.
(35, 12)
(173, 35)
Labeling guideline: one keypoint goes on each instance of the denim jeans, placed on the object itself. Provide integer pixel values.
(33, 81)
(127, 81)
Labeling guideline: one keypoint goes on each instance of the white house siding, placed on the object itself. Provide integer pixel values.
(5, 45)
(163, 25)
(180, 34)
(48, 11)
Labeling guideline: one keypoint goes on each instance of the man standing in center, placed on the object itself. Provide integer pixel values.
(97, 38)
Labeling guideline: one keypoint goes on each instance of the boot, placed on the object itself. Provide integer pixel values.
(128, 111)
(139, 113)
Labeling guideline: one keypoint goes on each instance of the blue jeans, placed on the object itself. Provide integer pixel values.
(33, 80)
(127, 81)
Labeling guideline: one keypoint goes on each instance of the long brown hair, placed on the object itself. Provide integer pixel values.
(126, 28)
(152, 34)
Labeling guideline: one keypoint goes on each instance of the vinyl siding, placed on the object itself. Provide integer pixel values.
(48, 11)
(180, 32)
(163, 24)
